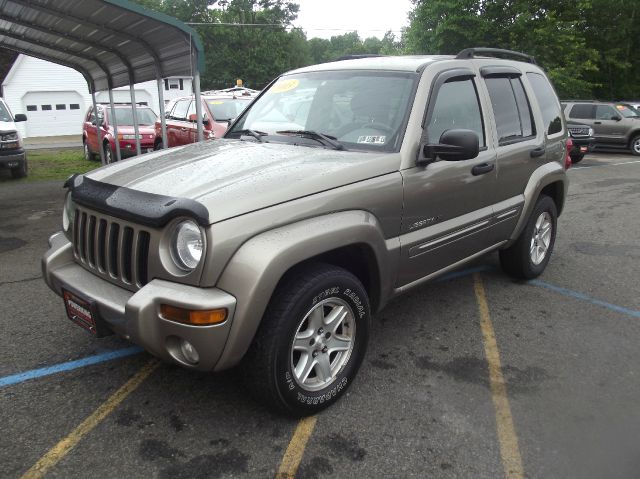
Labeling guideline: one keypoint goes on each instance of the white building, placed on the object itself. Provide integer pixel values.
(55, 98)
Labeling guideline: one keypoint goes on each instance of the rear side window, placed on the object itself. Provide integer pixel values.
(511, 109)
(583, 111)
(456, 107)
(549, 104)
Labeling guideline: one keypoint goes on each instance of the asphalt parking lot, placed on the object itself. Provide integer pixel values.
(473, 375)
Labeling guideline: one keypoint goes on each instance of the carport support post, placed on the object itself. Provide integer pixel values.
(134, 110)
(196, 90)
(163, 119)
(114, 122)
(98, 126)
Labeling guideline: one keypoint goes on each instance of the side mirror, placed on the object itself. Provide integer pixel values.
(616, 118)
(454, 145)
(20, 117)
(193, 117)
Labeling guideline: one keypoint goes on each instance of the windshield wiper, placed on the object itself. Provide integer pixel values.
(256, 134)
(326, 140)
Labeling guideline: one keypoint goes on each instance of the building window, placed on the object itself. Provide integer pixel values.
(32, 107)
(173, 84)
(74, 106)
(45, 107)
(61, 107)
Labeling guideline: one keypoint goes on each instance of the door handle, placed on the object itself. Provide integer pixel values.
(482, 169)
(183, 129)
(535, 153)
(597, 123)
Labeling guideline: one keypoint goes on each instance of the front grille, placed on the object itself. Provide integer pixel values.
(579, 131)
(116, 251)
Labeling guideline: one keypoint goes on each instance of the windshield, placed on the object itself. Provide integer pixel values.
(361, 109)
(627, 111)
(227, 109)
(4, 113)
(124, 116)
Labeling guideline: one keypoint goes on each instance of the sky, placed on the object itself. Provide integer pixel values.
(371, 18)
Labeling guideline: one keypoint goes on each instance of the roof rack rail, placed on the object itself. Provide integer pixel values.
(468, 53)
(357, 56)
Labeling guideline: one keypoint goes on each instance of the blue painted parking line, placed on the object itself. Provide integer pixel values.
(68, 366)
(584, 297)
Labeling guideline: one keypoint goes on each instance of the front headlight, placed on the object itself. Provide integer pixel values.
(67, 213)
(590, 131)
(186, 245)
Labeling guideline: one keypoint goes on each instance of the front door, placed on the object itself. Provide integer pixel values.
(448, 204)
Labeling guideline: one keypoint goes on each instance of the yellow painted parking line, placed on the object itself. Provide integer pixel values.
(55, 454)
(509, 450)
(295, 450)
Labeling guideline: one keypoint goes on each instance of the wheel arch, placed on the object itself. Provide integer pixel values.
(352, 240)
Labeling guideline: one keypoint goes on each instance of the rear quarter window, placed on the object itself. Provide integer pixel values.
(548, 101)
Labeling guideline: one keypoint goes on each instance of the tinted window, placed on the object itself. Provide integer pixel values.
(605, 112)
(32, 107)
(548, 102)
(227, 109)
(74, 106)
(583, 110)
(4, 113)
(510, 108)
(61, 107)
(180, 110)
(45, 107)
(124, 116)
(456, 107)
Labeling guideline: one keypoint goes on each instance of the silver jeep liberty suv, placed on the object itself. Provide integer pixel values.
(342, 186)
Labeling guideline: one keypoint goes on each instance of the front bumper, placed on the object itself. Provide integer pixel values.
(12, 158)
(582, 145)
(136, 315)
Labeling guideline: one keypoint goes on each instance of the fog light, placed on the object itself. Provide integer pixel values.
(189, 352)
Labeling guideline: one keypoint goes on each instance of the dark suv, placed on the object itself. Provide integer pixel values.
(615, 125)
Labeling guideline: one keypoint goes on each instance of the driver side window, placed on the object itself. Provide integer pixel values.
(456, 107)
(605, 112)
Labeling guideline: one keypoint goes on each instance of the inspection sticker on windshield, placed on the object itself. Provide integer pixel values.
(373, 140)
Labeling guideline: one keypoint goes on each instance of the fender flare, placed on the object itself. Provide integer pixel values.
(258, 265)
(542, 177)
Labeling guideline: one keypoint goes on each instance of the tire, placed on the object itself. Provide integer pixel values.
(88, 156)
(157, 145)
(109, 157)
(300, 307)
(20, 171)
(576, 158)
(528, 256)
(635, 145)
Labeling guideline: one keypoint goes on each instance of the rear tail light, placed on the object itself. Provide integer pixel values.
(567, 158)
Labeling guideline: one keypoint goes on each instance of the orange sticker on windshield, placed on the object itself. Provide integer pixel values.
(621, 107)
(285, 85)
(216, 103)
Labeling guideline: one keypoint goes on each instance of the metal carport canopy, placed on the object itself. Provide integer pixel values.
(112, 43)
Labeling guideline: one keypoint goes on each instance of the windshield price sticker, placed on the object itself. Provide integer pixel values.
(285, 85)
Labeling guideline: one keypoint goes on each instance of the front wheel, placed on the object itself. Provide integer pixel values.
(635, 145)
(311, 341)
(109, 157)
(528, 256)
(21, 170)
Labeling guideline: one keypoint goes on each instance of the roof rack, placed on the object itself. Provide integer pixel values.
(358, 56)
(468, 53)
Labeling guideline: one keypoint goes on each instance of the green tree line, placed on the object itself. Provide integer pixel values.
(589, 48)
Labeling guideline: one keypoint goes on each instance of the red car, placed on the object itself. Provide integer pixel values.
(124, 120)
(218, 111)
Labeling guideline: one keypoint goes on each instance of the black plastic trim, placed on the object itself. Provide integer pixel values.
(469, 53)
(139, 207)
(500, 71)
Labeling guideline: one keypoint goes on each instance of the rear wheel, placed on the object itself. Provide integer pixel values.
(635, 145)
(528, 256)
(576, 157)
(21, 170)
(311, 341)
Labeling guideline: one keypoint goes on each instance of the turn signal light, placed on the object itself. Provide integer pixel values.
(567, 158)
(197, 317)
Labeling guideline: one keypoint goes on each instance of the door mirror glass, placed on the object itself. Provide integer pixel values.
(454, 145)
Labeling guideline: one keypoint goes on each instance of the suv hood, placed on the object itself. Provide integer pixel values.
(233, 177)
